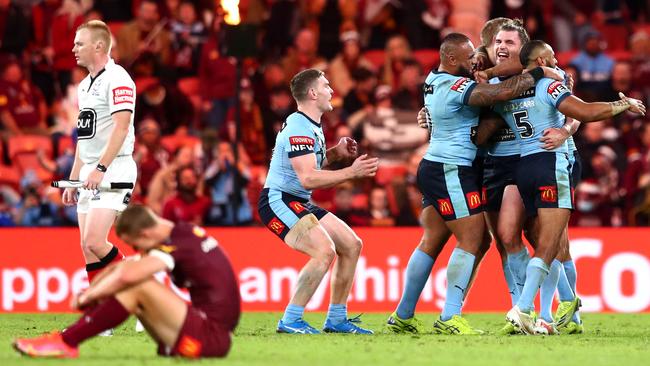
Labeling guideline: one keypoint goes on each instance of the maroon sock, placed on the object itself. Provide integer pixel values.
(107, 315)
(92, 270)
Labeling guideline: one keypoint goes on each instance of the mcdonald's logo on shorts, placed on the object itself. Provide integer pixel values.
(548, 193)
(473, 200)
(296, 206)
(276, 226)
(189, 347)
(445, 207)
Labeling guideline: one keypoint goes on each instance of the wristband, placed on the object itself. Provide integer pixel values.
(101, 168)
(537, 73)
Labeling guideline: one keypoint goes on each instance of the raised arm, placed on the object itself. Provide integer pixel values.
(576, 108)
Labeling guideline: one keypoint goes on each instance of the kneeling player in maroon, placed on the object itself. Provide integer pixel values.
(193, 260)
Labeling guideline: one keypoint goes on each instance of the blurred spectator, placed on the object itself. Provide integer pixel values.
(408, 197)
(227, 186)
(62, 166)
(397, 53)
(163, 183)
(114, 10)
(570, 22)
(409, 95)
(34, 208)
(149, 153)
(329, 23)
(640, 49)
(530, 12)
(145, 34)
(187, 205)
(14, 29)
(270, 77)
(636, 182)
(217, 76)
(380, 214)
(344, 206)
(6, 218)
(435, 17)
(361, 95)
(280, 107)
(283, 22)
(339, 71)
(188, 36)
(66, 110)
(302, 55)
(163, 103)
(379, 23)
(22, 106)
(251, 124)
(594, 67)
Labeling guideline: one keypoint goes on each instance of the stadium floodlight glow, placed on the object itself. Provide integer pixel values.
(232, 11)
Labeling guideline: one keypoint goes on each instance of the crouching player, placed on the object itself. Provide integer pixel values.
(193, 259)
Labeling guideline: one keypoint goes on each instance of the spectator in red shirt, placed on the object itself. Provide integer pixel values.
(149, 153)
(251, 124)
(187, 205)
(22, 106)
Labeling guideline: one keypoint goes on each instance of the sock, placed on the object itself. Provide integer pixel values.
(536, 273)
(510, 281)
(417, 274)
(572, 277)
(93, 269)
(108, 314)
(518, 263)
(459, 271)
(563, 287)
(547, 291)
(337, 313)
(293, 313)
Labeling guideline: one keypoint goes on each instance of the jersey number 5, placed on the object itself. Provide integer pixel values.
(524, 127)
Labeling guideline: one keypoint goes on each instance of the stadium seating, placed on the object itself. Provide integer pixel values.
(23, 154)
(8, 174)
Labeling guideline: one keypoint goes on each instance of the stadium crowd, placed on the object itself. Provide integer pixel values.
(375, 54)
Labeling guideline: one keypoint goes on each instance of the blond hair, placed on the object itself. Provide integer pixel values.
(99, 31)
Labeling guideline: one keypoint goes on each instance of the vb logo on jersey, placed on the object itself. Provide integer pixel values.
(301, 143)
(460, 85)
(86, 123)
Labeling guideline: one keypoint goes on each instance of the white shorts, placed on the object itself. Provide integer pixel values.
(122, 169)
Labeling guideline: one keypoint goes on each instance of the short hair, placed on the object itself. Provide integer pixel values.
(98, 31)
(529, 49)
(302, 81)
(450, 42)
(516, 25)
(133, 220)
(491, 28)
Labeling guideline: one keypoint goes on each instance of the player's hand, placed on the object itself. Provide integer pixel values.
(570, 83)
(481, 76)
(364, 166)
(69, 196)
(636, 105)
(347, 148)
(552, 73)
(552, 138)
(80, 301)
(94, 178)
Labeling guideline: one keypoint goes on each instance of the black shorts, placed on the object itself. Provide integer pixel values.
(498, 172)
(280, 211)
(544, 181)
(576, 171)
(477, 165)
(452, 189)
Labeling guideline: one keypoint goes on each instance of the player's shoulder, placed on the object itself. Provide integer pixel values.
(551, 87)
(299, 122)
(117, 71)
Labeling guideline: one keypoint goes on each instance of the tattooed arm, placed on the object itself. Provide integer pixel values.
(488, 94)
(576, 108)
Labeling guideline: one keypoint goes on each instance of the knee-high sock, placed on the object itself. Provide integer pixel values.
(536, 272)
(459, 271)
(107, 315)
(572, 277)
(510, 281)
(547, 291)
(518, 263)
(417, 274)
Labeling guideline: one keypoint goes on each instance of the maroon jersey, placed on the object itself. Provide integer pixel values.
(196, 262)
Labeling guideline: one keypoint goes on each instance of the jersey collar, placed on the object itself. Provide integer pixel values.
(310, 120)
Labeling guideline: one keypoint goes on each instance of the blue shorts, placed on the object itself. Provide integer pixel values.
(280, 211)
(451, 189)
(499, 172)
(544, 181)
(477, 165)
(576, 171)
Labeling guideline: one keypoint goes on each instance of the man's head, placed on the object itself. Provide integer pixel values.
(365, 80)
(537, 53)
(187, 181)
(92, 39)
(305, 42)
(398, 48)
(311, 86)
(490, 30)
(592, 42)
(136, 225)
(456, 53)
(12, 72)
(509, 39)
(622, 76)
(148, 15)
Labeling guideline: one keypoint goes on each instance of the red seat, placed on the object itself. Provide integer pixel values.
(376, 57)
(171, 143)
(23, 154)
(8, 174)
(386, 174)
(616, 36)
(428, 58)
(189, 86)
(564, 58)
(115, 27)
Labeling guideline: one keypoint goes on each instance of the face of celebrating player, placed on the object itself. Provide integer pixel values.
(547, 57)
(323, 94)
(464, 56)
(84, 48)
(507, 44)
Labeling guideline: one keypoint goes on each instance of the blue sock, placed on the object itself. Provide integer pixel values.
(337, 313)
(563, 287)
(510, 281)
(572, 277)
(292, 313)
(536, 273)
(459, 271)
(547, 291)
(417, 274)
(517, 263)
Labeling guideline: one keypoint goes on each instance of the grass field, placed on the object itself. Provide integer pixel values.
(608, 340)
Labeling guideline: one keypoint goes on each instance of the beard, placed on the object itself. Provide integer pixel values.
(464, 71)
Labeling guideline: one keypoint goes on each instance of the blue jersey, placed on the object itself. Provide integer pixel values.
(505, 140)
(534, 111)
(300, 135)
(446, 97)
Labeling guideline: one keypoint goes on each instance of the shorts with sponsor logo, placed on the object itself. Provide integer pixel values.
(199, 336)
(544, 181)
(477, 165)
(499, 172)
(280, 211)
(451, 189)
(122, 169)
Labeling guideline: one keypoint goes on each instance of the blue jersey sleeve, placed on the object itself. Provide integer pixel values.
(554, 91)
(461, 89)
(298, 139)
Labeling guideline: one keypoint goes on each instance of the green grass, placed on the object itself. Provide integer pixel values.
(610, 339)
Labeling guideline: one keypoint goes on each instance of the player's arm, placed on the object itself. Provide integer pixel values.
(121, 123)
(489, 124)
(576, 108)
(488, 94)
(344, 150)
(552, 138)
(511, 66)
(312, 178)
